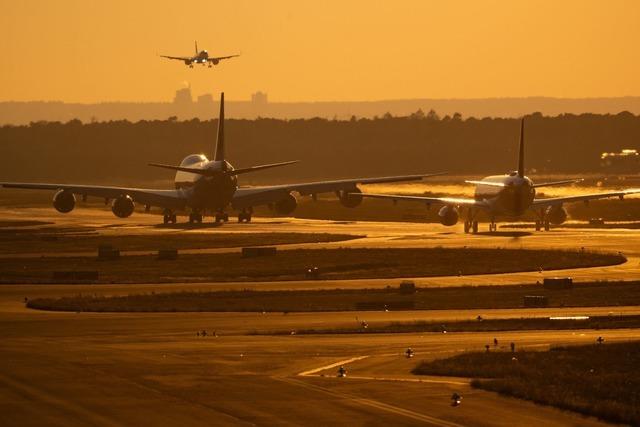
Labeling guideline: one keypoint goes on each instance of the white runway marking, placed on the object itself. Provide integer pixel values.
(333, 365)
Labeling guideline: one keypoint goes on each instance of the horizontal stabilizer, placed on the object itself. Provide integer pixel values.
(212, 172)
(260, 167)
(205, 172)
(550, 184)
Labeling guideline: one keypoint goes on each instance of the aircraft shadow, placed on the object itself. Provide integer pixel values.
(187, 226)
(504, 233)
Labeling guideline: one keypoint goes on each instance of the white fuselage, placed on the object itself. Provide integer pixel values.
(512, 197)
(214, 191)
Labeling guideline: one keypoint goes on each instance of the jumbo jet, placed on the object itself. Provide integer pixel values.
(209, 186)
(201, 57)
(506, 196)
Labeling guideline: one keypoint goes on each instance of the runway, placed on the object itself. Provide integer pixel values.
(130, 369)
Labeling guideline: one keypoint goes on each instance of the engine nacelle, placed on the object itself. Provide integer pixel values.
(286, 205)
(187, 62)
(64, 201)
(350, 198)
(122, 206)
(448, 215)
(215, 61)
(556, 214)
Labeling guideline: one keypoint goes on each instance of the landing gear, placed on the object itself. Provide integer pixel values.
(169, 217)
(543, 221)
(195, 217)
(221, 217)
(244, 216)
(471, 227)
(493, 227)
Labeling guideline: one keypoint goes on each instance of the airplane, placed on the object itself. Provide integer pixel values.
(510, 195)
(201, 57)
(210, 186)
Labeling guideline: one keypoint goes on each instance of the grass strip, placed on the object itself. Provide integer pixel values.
(598, 380)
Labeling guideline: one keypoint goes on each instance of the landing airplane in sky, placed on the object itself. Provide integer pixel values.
(210, 186)
(201, 57)
(510, 196)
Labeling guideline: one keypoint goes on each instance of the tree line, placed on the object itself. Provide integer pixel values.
(118, 151)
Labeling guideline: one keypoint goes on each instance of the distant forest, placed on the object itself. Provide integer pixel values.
(118, 151)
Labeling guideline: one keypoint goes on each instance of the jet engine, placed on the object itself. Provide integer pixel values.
(64, 201)
(122, 206)
(448, 215)
(350, 198)
(187, 62)
(215, 61)
(556, 214)
(286, 205)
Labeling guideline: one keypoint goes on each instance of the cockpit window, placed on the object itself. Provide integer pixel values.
(194, 158)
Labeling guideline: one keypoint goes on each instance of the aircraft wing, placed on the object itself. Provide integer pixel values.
(254, 196)
(457, 201)
(179, 58)
(556, 201)
(171, 199)
(220, 58)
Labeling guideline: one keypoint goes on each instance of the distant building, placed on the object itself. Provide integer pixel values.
(259, 99)
(626, 161)
(183, 96)
(206, 99)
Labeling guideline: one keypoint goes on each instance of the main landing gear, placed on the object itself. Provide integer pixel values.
(169, 217)
(493, 227)
(195, 217)
(221, 217)
(244, 216)
(471, 226)
(544, 223)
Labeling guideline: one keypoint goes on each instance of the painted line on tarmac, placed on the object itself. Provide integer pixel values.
(333, 365)
(372, 403)
(409, 380)
(314, 372)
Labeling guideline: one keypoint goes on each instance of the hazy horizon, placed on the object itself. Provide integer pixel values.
(83, 52)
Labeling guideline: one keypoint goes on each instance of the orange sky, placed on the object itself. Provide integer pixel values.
(296, 50)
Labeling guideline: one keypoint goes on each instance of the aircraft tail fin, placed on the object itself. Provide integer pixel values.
(196, 48)
(521, 153)
(218, 155)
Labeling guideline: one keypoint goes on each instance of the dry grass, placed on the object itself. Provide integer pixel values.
(292, 265)
(599, 380)
(485, 297)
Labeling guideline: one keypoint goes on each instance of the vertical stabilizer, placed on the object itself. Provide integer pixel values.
(196, 48)
(219, 153)
(521, 154)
